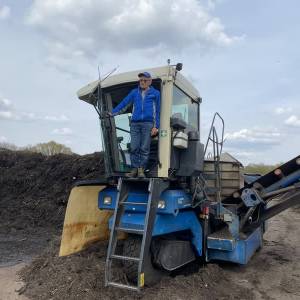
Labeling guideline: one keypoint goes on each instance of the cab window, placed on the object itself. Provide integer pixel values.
(186, 108)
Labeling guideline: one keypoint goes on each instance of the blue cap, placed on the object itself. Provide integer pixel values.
(144, 74)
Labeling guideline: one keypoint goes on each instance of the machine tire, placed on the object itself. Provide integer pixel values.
(131, 248)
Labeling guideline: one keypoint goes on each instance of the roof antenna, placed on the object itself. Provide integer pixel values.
(99, 94)
(99, 90)
(111, 72)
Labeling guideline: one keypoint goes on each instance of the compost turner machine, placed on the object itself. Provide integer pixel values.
(195, 202)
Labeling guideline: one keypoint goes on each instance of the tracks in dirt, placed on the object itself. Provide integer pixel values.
(20, 247)
(274, 272)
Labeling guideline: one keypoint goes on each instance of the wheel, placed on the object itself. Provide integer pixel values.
(131, 248)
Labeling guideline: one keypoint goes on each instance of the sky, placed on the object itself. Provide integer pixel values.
(242, 56)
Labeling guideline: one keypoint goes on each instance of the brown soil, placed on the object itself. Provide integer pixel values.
(34, 188)
(273, 273)
(34, 191)
(82, 277)
(33, 195)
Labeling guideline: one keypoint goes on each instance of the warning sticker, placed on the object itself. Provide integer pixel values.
(163, 133)
(142, 279)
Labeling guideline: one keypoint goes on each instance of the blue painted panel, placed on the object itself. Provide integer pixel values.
(221, 243)
(243, 251)
(164, 224)
(174, 200)
(107, 192)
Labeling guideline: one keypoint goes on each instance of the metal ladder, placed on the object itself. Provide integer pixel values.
(155, 188)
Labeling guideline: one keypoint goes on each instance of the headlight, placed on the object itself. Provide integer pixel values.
(161, 204)
(107, 200)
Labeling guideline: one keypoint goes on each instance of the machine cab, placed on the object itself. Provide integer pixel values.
(177, 150)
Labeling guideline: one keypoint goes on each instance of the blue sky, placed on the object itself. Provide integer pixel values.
(243, 56)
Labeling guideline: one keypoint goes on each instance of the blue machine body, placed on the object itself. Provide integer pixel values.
(235, 250)
(174, 200)
(175, 215)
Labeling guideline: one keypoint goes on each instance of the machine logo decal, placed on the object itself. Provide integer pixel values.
(163, 133)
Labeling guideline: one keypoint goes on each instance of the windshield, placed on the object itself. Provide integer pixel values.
(185, 108)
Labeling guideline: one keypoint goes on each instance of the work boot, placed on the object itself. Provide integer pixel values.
(132, 173)
(141, 173)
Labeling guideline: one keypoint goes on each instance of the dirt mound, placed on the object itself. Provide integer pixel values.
(81, 276)
(34, 188)
(33, 194)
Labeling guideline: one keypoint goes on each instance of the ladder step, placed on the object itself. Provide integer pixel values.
(124, 286)
(130, 230)
(121, 257)
(134, 203)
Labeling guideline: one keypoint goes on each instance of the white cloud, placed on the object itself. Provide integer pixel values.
(293, 121)
(18, 116)
(61, 118)
(4, 12)
(88, 29)
(243, 156)
(3, 139)
(8, 112)
(255, 136)
(62, 131)
(27, 116)
(282, 110)
(211, 4)
(5, 103)
(7, 115)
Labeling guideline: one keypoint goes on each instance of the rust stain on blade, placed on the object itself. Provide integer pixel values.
(79, 236)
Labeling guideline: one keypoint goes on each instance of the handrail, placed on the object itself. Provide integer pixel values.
(217, 150)
(212, 127)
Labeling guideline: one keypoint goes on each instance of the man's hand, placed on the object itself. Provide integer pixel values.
(154, 131)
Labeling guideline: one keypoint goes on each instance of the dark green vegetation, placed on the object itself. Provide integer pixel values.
(48, 149)
(260, 168)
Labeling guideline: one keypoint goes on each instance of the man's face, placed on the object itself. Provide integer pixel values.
(145, 82)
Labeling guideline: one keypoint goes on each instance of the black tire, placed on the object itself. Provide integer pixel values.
(132, 246)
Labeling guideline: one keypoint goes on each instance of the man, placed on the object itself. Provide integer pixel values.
(145, 102)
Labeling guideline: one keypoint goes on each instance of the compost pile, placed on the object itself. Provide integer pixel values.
(34, 191)
(33, 195)
(34, 188)
(81, 276)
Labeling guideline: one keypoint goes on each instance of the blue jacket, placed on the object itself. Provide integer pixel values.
(144, 110)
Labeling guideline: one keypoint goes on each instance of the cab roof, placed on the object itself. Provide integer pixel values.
(157, 73)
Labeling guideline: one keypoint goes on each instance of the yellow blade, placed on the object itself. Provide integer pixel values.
(84, 222)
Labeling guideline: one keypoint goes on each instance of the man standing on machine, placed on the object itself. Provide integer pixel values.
(145, 102)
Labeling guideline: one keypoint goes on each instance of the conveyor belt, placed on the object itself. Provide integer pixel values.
(283, 176)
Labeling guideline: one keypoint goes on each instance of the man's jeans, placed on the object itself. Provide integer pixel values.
(140, 143)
